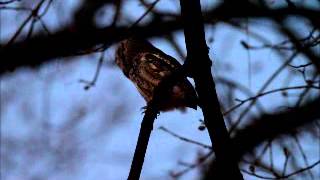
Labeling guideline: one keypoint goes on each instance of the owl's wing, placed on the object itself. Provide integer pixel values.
(154, 67)
(149, 69)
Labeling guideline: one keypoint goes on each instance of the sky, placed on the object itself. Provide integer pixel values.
(51, 128)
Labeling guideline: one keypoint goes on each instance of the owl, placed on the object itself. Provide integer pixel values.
(146, 66)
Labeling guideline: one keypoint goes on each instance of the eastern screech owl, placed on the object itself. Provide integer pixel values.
(146, 66)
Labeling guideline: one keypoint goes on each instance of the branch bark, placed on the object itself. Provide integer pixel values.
(200, 69)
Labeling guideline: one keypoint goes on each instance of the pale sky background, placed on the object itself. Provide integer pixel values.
(57, 130)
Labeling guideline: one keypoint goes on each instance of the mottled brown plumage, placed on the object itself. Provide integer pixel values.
(146, 66)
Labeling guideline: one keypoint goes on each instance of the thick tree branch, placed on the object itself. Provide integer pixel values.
(142, 144)
(241, 9)
(148, 120)
(84, 17)
(68, 42)
(200, 68)
(268, 127)
(71, 41)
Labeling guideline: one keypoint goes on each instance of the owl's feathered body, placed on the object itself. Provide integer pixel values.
(146, 66)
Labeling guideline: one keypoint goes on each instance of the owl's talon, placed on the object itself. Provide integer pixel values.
(143, 109)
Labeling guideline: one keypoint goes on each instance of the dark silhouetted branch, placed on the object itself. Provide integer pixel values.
(142, 144)
(271, 126)
(268, 127)
(198, 59)
(67, 42)
(75, 39)
(148, 120)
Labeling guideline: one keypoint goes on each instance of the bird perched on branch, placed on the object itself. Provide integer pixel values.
(146, 66)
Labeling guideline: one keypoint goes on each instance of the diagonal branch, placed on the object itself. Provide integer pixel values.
(70, 41)
(271, 126)
(268, 127)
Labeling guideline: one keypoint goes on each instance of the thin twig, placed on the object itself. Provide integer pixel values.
(33, 13)
(145, 13)
(185, 139)
(301, 170)
(8, 2)
(89, 84)
(266, 84)
(305, 159)
(285, 176)
(201, 161)
(266, 93)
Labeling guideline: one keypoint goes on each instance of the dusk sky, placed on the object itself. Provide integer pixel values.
(51, 128)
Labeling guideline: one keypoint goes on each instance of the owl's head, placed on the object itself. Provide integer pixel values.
(128, 49)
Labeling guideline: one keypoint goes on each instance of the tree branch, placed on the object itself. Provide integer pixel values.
(70, 41)
(271, 126)
(200, 68)
(268, 127)
(148, 120)
(142, 144)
